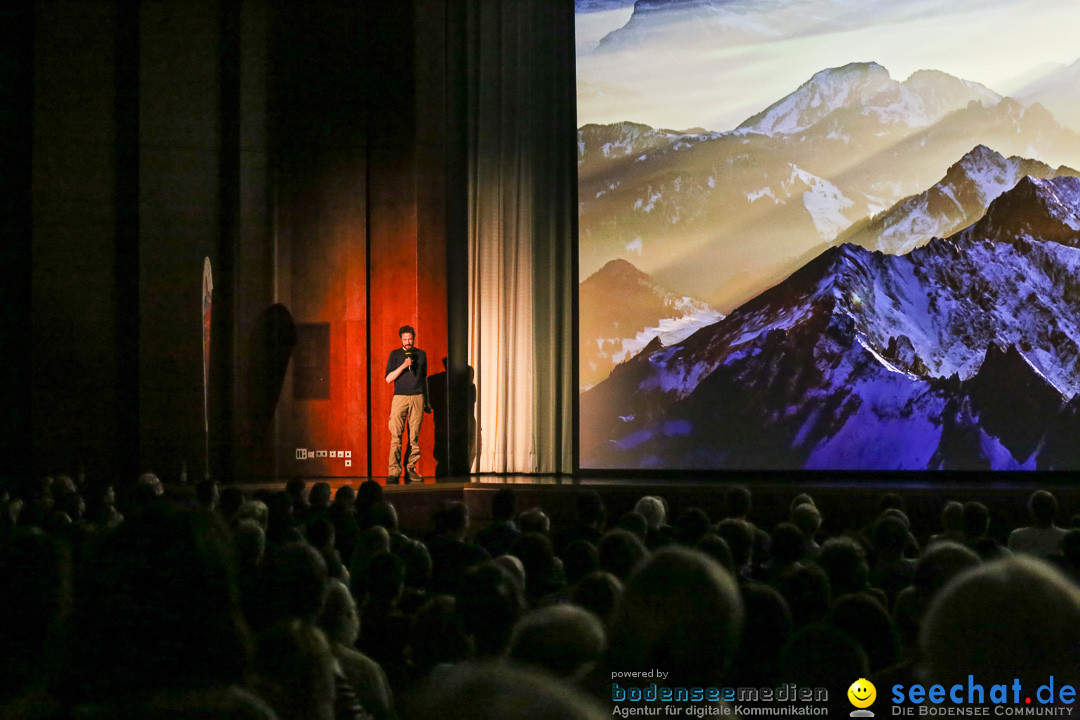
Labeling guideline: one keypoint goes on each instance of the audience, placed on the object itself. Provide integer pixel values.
(184, 602)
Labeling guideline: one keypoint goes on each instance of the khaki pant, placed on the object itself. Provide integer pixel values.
(405, 409)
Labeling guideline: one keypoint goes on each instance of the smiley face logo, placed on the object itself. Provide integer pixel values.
(862, 693)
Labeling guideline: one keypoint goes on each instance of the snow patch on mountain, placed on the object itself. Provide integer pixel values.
(669, 330)
(826, 204)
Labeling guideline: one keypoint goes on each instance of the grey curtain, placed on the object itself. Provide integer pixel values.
(522, 194)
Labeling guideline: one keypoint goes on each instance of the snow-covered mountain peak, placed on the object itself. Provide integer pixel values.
(828, 90)
(986, 173)
(921, 100)
(955, 202)
(620, 139)
(1035, 208)
(938, 90)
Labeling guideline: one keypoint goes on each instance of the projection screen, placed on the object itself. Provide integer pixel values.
(829, 234)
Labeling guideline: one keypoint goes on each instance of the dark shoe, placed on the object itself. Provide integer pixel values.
(412, 476)
(392, 479)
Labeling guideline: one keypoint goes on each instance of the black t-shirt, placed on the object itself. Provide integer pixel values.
(412, 380)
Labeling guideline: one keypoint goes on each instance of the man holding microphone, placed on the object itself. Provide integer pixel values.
(406, 368)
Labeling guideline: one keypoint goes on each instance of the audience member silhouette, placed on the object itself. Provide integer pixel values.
(342, 513)
(564, 640)
(692, 525)
(436, 639)
(208, 495)
(653, 509)
(600, 593)
(740, 539)
(451, 555)
(340, 621)
(866, 620)
(498, 692)
(534, 520)
(1011, 618)
(739, 501)
(976, 523)
(292, 584)
(820, 656)
(320, 534)
(1042, 537)
(767, 628)
(620, 552)
(490, 603)
(543, 572)
(891, 571)
(635, 523)
(497, 537)
(808, 519)
(941, 562)
(580, 558)
(383, 627)
(787, 547)
(844, 561)
(717, 548)
(589, 522)
(952, 523)
(681, 612)
(296, 492)
(295, 672)
(35, 590)
(156, 611)
(807, 592)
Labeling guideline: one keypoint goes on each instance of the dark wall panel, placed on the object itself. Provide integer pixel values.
(431, 200)
(75, 371)
(317, 130)
(255, 393)
(16, 141)
(180, 162)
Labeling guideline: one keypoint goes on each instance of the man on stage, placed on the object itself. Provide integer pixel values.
(406, 368)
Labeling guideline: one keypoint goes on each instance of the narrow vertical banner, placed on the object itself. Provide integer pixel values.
(207, 292)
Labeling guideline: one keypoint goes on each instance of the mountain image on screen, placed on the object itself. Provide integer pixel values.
(723, 216)
(963, 353)
(828, 234)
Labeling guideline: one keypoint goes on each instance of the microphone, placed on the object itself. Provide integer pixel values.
(411, 354)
